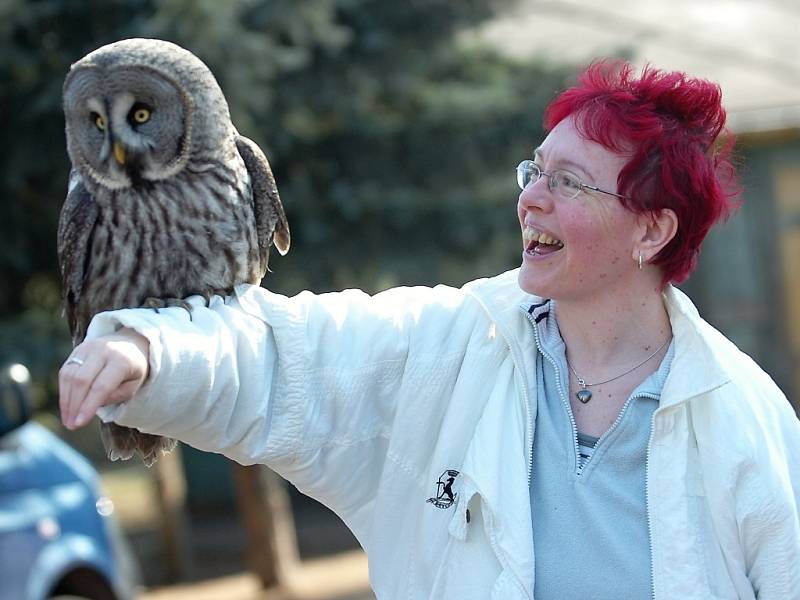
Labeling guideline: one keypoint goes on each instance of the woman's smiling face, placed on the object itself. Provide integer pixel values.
(589, 240)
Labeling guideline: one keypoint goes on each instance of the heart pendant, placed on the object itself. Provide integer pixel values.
(583, 395)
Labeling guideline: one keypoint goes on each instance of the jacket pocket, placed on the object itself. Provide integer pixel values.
(469, 568)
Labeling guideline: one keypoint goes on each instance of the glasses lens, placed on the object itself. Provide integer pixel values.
(565, 184)
(526, 172)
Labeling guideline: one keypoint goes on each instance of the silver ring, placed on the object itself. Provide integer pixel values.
(74, 360)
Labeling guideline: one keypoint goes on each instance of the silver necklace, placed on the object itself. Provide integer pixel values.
(584, 394)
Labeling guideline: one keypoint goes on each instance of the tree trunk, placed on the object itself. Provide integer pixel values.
(267, 517)
(171, 493)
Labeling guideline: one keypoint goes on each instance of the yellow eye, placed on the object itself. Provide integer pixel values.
(100, 122)
(141, 115)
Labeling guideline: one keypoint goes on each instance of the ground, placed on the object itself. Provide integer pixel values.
(331, 565)
(342, 576)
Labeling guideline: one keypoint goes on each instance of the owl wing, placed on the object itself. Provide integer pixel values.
(271, 223)
(75, 227)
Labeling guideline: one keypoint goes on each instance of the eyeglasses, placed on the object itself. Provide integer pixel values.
(562, 183)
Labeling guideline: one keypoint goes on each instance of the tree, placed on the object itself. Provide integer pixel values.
(393, 140)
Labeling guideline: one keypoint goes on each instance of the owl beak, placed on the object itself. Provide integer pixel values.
(119, 153)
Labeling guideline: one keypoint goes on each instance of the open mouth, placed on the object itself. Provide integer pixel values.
(540, 243)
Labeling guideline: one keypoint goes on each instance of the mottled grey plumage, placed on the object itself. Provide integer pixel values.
(165, 198)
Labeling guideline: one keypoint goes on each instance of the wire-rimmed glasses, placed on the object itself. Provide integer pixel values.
(562, 183)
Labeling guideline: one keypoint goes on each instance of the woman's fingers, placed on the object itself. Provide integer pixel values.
(75, 380)
(101, 391)
(105, 370)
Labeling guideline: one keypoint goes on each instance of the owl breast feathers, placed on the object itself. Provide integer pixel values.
(165, 198)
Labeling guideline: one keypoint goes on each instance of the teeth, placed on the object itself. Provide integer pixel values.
(529, 234)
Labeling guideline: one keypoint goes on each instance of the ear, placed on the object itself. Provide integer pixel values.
(655, 229)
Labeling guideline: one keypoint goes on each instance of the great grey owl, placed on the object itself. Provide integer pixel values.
(165, 198)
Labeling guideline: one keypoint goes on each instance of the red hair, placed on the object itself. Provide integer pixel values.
(669, 124)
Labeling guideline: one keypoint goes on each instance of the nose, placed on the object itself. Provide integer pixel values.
(536, 196)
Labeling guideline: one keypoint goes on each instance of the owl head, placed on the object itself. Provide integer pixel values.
(140, 110)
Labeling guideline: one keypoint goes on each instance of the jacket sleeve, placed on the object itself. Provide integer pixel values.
(307, 385)
(767, 499)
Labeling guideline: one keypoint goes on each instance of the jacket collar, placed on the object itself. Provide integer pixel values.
(502, 297)
(699, 363)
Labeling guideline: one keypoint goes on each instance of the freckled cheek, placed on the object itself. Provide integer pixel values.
(594, 237)
(591, 250)
(582, 235)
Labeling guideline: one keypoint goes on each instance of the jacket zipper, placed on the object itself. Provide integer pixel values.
(529, 430)
(647, 506)
(564, 401)
(621, 414)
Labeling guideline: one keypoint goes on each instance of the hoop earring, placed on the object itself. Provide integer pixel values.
(640, 261)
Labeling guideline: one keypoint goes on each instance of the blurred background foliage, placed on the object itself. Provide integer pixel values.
(393, 138)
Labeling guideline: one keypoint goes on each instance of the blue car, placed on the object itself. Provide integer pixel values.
(57, 535)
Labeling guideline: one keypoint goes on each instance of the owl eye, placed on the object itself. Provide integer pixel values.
(99, 122)
(140, 114)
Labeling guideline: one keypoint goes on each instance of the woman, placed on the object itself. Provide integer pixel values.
(577, 406)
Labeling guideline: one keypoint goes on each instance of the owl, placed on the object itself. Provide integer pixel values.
(165, 198)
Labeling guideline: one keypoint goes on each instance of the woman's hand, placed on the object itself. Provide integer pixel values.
(105, 370)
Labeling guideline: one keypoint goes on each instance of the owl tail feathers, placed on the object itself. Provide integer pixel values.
(122, 443)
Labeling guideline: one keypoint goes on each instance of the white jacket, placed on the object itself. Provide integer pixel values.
(384, 407)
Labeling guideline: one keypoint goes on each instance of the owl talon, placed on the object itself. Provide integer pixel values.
(156, 303)
(224, 294)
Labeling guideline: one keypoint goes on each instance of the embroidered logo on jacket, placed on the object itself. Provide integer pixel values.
(444, 490)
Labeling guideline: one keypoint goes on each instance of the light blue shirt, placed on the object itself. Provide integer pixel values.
(590, 526)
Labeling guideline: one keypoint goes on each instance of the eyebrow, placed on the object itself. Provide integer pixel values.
(565, 162)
